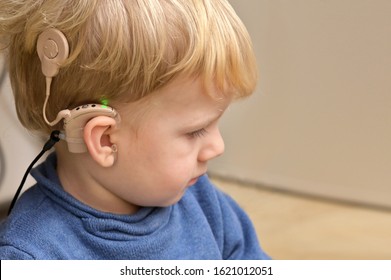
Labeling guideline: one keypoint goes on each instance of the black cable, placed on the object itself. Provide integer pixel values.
(54, 138)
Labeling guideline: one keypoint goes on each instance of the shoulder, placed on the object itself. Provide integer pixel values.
(9, 252)
(32, 223)
(15, 235)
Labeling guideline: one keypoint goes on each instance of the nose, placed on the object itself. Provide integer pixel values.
(212, 147)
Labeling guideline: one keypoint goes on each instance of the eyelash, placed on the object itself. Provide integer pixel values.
(198, 133)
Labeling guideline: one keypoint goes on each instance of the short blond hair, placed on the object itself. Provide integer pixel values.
(123, 50)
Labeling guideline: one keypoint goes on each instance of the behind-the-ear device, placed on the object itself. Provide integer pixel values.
(74, 124)
(53, 50)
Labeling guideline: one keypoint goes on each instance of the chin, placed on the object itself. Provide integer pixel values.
(173, 200)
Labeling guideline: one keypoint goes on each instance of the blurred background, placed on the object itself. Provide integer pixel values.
(307, 156)
(311, 147)
(17, 147)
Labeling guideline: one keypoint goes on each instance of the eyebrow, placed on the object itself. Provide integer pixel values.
(204, 122)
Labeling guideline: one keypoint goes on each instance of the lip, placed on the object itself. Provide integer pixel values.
(194, 180)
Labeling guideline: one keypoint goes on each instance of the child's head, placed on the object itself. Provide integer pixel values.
(123, 50)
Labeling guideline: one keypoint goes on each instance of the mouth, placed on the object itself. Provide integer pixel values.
(194, 180)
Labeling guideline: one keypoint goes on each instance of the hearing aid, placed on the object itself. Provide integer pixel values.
(53, 50)
(75, 123)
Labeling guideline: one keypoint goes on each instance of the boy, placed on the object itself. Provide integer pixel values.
(135, 188)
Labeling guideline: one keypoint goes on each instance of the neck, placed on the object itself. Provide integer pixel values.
(77, 174)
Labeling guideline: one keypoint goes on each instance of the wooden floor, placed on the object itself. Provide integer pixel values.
(296, 227)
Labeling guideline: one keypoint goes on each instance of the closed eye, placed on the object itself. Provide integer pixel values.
(198, 133)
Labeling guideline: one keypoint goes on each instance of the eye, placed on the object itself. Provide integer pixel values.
(198, 133)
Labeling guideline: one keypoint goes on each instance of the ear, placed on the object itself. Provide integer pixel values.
(97, 137)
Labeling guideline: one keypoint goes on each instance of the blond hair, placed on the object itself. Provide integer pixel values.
(123, 50)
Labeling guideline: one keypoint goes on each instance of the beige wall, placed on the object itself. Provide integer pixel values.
(320, 120)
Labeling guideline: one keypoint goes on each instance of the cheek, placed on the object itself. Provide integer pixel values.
(173, 163)
(159, 154)
(180, 152)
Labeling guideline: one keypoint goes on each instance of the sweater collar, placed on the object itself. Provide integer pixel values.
(145, 221)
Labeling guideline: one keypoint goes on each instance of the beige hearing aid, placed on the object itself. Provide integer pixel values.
(74, 124)
(53, 50)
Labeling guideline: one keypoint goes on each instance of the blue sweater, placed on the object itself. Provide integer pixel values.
(48, 223)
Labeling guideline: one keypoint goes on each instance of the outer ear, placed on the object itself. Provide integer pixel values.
(97, 137)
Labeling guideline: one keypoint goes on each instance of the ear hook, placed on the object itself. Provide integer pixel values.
(62, 114)
(53, 50)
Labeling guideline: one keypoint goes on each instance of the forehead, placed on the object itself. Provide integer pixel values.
(184, 101)
(192, 95)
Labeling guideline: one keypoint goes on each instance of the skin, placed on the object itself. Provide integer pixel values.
(160, 151)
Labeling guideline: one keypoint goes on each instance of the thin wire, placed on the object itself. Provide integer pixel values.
(54, 138)
(48, 85)
(62, 114)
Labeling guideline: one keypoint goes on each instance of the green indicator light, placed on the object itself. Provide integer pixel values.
(104, 102)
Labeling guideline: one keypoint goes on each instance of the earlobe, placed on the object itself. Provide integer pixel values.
(98, 139)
